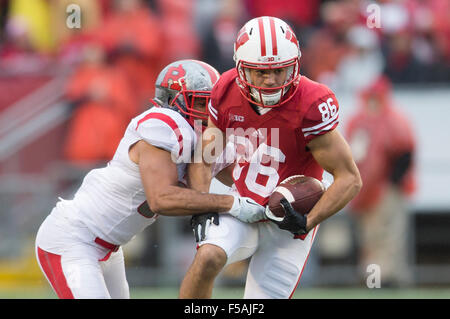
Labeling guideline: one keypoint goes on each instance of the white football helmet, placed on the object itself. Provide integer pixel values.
(267, 43)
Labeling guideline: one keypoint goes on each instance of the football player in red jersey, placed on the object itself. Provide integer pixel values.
(281, 124)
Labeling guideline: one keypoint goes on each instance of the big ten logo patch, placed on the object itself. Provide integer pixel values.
(236, 118)
(173, 78)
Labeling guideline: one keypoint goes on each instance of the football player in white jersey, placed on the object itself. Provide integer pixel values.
(78, 246)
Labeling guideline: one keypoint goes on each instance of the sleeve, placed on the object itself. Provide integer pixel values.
(321, 117)
(216, 109)
(162, 131)
(215, 116)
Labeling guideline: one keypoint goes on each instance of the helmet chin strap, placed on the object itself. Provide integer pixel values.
(267, 99)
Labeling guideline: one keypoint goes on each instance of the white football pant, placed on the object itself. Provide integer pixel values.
(75, 265)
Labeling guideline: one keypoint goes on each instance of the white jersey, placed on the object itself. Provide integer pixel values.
(111, 201)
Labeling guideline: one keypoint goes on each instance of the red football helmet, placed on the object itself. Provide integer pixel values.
(180, 84)
(267, 43)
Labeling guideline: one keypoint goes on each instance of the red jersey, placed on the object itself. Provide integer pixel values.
(272, 147)
(375, 141)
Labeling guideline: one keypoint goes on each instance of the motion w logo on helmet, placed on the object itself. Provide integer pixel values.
(242, 38)
(173, 77)
(291, 36)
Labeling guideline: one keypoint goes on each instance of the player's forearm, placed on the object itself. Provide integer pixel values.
(337, 196)
(199, 177)
(177, 201)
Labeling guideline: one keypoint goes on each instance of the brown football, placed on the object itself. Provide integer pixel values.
(303, 192)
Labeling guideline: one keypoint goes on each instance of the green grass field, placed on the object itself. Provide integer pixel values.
(237, 293)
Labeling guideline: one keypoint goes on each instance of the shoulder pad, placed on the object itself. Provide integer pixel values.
(167, 129)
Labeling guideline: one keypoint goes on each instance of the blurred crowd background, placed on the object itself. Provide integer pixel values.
(67, 94)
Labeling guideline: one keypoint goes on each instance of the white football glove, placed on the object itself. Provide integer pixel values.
(247, 210)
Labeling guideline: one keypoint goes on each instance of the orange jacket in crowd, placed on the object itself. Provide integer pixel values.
(94, 134)
(134, 40)
(104, 84)
(104, 106)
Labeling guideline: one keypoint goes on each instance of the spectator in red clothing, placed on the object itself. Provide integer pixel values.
(383, 146)
(180, 37)
(95, 80)
(133, 40)
(103, 104)
(94, 134)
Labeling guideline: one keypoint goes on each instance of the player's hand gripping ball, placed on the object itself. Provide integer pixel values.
(292, 200)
